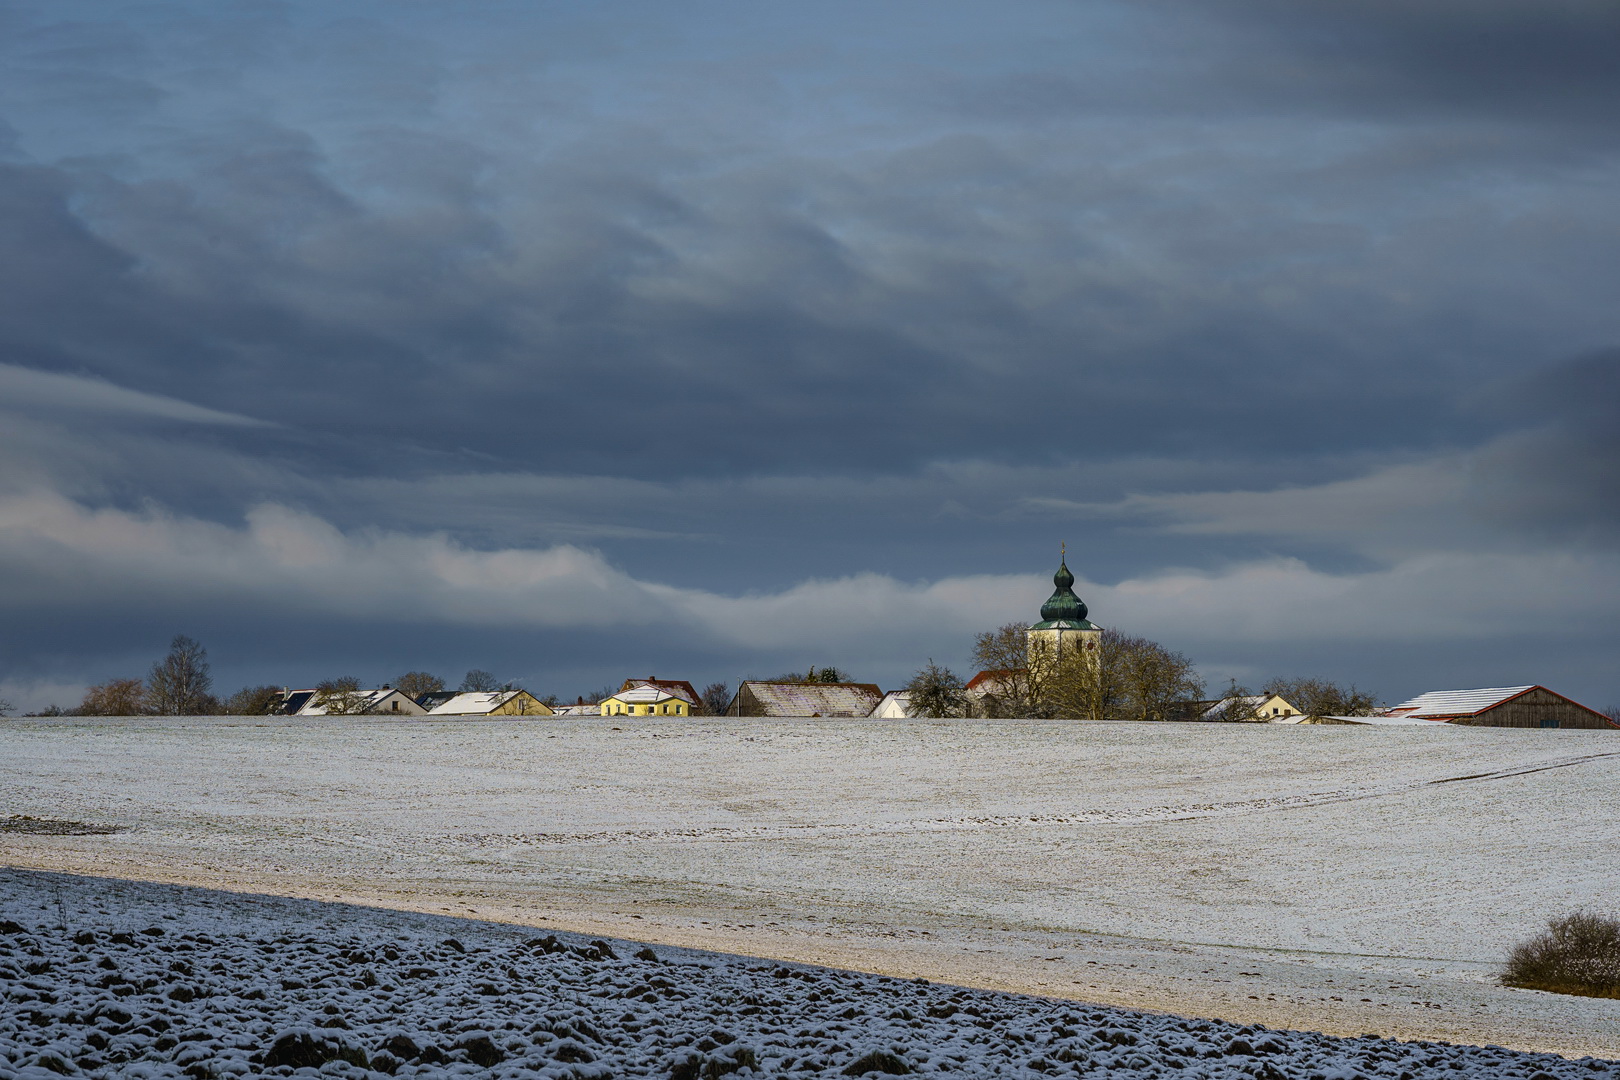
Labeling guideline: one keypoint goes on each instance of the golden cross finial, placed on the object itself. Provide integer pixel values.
(1063, 548)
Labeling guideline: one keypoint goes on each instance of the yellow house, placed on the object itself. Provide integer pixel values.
(645, 701)
(1272, 708)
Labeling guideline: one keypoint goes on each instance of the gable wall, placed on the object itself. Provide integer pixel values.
(1529, 710)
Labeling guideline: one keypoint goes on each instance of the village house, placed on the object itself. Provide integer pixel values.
(679, 687)
(986, 689)
(1268, 708)
(896, 705)
(757, 698)
(484, 703)
(386, 701)
(645, 700)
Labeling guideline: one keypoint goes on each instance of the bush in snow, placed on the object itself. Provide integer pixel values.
(1578, 954)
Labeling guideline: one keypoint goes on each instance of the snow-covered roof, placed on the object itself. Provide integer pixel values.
(473, 703)
(1383, 721)
(1457, 702)
(679, 687)
(316, 704)
(645, 694)
(810, 699)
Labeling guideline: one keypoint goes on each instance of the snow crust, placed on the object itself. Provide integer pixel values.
(1332, 878)
(119, 979)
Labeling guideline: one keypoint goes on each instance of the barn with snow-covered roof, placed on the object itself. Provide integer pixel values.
(1502, 706)
(754, 698)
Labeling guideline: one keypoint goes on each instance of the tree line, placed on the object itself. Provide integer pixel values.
(1124, 678)
(181, 684)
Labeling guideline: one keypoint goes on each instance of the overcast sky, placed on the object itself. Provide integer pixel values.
(579, 342)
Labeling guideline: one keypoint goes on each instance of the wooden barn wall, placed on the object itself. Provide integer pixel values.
(1529, 710)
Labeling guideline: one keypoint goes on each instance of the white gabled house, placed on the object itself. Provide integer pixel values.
(896, 705)
(384, 702)
(485, 703)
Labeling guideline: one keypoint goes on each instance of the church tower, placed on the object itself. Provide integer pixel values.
(1063, 627)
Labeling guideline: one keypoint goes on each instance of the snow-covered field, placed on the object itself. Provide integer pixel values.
(106, 978)
(1336, 879)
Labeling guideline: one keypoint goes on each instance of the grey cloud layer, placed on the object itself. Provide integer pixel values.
(1267, 295)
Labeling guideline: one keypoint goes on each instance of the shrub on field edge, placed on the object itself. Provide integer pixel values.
(1577, 954)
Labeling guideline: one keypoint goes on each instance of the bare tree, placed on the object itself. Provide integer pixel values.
(115, 697)
(479, 681)
(1087, 685)
(1613, 713)
(1319, 697)
(179, 684)
(6, 707)
(253, 701)
(1123, 678)
(1237, 706)
(1010, 691)
(413, 684)
(342, 696)
(1152, 679)
(715, 697)
(936, 692)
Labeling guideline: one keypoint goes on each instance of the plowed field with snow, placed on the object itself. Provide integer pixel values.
(1336, 879)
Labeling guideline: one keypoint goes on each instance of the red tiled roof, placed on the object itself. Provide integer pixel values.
(992, 676)
(679, 687)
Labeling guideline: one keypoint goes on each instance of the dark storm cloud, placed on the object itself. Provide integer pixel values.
(1499, 60)
(802, 304)
(1557, 478)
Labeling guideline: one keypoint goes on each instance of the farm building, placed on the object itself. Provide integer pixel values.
(896, 705)
(1501, 706)
(804, 699)
(484, 703)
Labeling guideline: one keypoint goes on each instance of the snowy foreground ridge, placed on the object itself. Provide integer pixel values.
(105, 978)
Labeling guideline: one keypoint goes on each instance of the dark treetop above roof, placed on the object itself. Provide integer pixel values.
(1064, 610)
